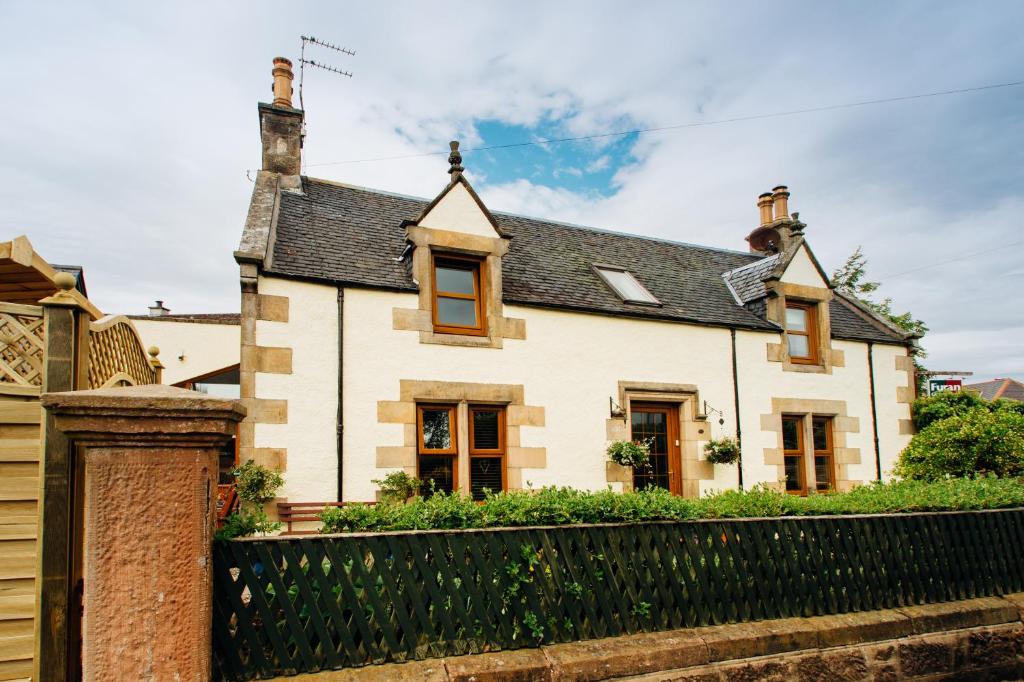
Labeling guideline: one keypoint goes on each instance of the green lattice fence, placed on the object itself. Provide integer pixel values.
(302, 604)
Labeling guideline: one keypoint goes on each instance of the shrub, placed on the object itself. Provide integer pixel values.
(630, 453)
(398, 486)
(566, 506)
(722, 450)
(255, 485)
(984, 439)
(928, 410)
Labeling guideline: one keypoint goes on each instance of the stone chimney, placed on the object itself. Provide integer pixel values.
(777, 228)
(158, 310)
(281, 124)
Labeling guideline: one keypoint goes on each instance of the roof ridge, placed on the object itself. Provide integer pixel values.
(761, 261)
(549, 221)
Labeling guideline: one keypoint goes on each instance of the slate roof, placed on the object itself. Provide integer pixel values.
(354, 236)
(747, 282)
(1011, 389)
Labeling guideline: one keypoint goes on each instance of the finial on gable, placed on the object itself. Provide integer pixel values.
(455, 159)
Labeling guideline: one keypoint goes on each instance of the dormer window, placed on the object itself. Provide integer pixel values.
(458, 298)
(802, 332)
(625, 285)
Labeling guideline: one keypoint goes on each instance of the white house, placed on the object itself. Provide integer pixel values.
(381, 332)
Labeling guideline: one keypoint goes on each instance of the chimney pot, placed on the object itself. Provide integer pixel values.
(283, 76)
(158, 310)
(764, 204)
(780, 196)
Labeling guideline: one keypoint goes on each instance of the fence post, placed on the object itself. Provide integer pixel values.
(150, 469)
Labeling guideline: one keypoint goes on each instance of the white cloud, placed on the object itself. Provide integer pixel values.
(137, 170)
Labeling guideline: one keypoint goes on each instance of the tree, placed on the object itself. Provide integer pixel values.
(851, 279)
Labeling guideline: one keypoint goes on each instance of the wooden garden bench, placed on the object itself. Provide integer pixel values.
(298, 512)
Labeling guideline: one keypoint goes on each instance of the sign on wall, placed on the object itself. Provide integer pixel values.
(940, 385)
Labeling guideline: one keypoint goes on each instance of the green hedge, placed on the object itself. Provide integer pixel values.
(566, 506)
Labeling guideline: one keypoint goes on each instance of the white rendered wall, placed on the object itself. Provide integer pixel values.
(206, 347)
(801, 270)
(459, 211)
(890, 441)
(311, 390)
(570, 364)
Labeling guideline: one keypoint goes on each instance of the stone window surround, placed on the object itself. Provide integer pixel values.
(430, 241)
(694, 430)
(842, 424)
(828, 357)
(462, 394)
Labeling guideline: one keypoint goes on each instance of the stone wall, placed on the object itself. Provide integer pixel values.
(977, 639)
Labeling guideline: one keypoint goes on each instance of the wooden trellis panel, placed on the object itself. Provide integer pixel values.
(294, 605)
(117, 356)
(21, 345)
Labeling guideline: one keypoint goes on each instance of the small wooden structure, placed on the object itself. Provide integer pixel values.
(38, 354)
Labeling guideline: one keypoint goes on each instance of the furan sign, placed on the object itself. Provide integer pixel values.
(940, 385)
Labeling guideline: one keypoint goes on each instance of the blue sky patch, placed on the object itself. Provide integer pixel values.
(585, 167)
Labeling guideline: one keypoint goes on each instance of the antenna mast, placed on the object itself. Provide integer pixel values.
(320, 65)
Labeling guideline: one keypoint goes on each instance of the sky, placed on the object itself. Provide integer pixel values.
(129, 134)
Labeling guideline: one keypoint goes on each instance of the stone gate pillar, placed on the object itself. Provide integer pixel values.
(149, 458)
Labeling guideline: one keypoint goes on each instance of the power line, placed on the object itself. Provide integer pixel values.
(951, 260)
(680, 126)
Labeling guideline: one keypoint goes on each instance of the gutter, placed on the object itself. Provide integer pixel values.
(341, 385)
(736, 400)
(874, 410)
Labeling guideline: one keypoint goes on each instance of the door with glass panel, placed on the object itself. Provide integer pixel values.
(658, 424)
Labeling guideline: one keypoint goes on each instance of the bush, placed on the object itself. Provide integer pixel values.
(722, 450)
(566, 506)
(398, 486)
(630, 453)
(988, 438)
(928, 410)
(255, 485)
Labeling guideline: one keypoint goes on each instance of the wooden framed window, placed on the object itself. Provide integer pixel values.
(486, 450)
(793, 454)
(824, 460)
(458, 306)
(802, 332)
(437, 447)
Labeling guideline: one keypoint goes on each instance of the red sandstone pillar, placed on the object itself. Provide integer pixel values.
(150, 476)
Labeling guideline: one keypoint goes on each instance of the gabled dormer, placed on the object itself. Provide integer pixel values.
(456, 258)
(788, 287)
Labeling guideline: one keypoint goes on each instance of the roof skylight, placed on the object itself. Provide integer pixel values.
(625, 285)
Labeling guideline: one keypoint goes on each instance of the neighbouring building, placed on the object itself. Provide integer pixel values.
(482, 350)
(199, 350)
(1008, 389)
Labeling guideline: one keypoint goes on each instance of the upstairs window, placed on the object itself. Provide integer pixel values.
(625, 285)
(802, 332)
(458, 295)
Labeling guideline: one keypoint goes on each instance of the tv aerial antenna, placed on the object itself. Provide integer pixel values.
(311, 40)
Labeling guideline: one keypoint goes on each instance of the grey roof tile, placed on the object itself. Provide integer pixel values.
(353, 236)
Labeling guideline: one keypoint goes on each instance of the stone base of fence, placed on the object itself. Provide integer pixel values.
(975, 639)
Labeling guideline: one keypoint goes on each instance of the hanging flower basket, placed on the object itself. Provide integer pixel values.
(630, 453)
(722, 450)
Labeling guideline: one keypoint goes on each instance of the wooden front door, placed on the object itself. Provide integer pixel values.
(658, 423)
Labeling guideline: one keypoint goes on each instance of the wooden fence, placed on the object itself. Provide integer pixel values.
(107, 352)
(293, 605)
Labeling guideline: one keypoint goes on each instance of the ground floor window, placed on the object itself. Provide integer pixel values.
(824, 468)
(486, 450)
(439, 449)
(793, 454)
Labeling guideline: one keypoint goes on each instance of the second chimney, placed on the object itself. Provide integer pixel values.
(780, 197)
